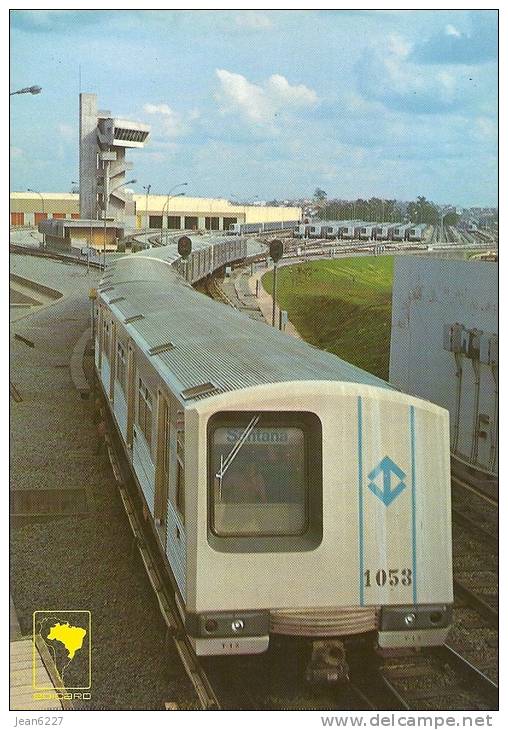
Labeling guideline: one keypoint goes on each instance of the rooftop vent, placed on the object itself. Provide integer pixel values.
(196, 390)
(161, 348)
(134, 318)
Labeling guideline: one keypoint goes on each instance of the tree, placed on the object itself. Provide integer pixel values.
(423, 211)
(451, 218)
(320, 195)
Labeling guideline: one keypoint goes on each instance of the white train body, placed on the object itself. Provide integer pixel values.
(243, 228)
(331, 231)
(383, 231)
(367, 232)
(290, 492)
(348, 231)
(301, 230)
(317, 230)
(417, 233)
(400, 233)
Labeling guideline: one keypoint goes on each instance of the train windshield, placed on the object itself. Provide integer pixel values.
(259, 476)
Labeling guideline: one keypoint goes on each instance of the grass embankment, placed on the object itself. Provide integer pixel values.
(343, 306)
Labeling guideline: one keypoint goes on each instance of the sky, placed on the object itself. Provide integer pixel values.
(267, 104)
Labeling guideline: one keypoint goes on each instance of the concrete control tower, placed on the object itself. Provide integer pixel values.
(103, 140)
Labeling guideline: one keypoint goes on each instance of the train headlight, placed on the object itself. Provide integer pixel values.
(409, 619)
(238, 625)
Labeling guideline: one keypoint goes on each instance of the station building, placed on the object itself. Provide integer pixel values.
(152, 211)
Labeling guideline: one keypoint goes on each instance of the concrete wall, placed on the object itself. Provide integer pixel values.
(267, 214)
(202, 208)
(206, 207)
(88, 155)
(427, 294)
(30, 203)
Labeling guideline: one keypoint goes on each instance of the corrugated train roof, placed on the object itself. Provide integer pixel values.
(212, 342)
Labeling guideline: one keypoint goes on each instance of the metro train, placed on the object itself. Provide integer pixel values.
(289, 492)
(367, 232)
(400, 232)
(417, 232)
(243, 228)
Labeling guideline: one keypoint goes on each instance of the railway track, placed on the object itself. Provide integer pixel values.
(476, 614)
(439, 679)
(144, 543)
(45, 254)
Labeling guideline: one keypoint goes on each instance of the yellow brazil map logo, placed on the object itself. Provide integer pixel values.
(66, 636)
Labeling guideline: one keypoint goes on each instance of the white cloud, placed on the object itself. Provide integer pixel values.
(452, 30)
(16, 152)
(172, 123)
(260, 103)
(253, 21)
(389, 75)
(399, 46)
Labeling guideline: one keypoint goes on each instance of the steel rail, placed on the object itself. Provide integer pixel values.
(476, 678)
(29, 251)
(475, 490)
(486, 611)
(176, 630)
(470, 679)
(165, 596)
(466, 521)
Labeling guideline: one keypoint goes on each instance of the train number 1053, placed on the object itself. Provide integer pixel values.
(392, 577)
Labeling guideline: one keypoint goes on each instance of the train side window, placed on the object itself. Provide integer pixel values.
(121, 366)
(145, 412)
(265, 476)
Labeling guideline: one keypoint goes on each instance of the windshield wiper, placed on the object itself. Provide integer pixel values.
(225, 463)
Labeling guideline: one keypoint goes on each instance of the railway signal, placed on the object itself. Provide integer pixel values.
(184, 246)
(184, 249)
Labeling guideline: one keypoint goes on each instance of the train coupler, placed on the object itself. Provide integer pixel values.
(328, 662)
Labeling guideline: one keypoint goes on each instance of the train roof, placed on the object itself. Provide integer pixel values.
(210, 343)
(199, 243)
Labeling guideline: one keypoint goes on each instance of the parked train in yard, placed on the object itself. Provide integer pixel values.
(242, 228)
(289, 491)
(361, 231)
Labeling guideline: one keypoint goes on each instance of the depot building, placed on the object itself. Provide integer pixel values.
(177, 213)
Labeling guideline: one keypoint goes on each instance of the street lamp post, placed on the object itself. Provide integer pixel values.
(43, 213)
(166, 205)
(27, 90)
(147, 188)
(74, 182)
(178, 185)
(107, 193)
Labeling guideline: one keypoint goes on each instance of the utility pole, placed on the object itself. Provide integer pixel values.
(106, 204)
(147, 188)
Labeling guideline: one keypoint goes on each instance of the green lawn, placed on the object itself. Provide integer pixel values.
(343, 306)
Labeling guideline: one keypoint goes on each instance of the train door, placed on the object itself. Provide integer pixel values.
(176, 549)
(131, 396)
(112, 360)
(98, 338)
(162, 472)
(106, 352)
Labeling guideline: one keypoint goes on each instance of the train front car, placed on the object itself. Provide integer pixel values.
(322, 509)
